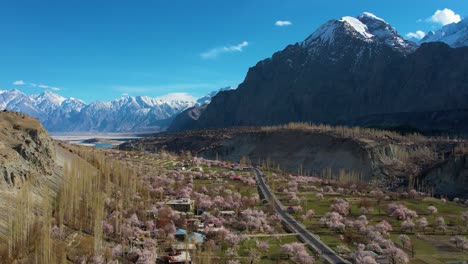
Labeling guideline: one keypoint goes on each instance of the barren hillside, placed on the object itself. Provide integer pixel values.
(385, 158)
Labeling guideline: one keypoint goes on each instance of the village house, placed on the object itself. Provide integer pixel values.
(184, 205)
(180, 257)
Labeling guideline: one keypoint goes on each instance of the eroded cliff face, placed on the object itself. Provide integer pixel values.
(388, 162)
(26, 150)
(28, 170)
(450, 177)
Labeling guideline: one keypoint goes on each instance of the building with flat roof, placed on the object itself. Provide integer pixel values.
(184, 205)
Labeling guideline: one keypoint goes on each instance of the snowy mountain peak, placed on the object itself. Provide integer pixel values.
(207, 98)
(358, 26)
(455, 34)
(370, 16)
(48, 96)
(366, 27)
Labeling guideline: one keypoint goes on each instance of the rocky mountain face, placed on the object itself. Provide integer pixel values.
(127, 114)
(455, 35)
(346, 71)
(26, 149)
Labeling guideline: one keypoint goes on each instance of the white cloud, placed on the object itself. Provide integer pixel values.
(42, 86)
(214, 53)
(419, 34)
(163, 88)
(282, 23)
(125, 94)
(176, 96)
(445, 16)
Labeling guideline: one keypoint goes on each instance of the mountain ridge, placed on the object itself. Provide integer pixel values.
(454, 34)
(341, 74)
(125, 114)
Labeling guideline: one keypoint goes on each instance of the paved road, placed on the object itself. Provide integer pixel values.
(310, 239)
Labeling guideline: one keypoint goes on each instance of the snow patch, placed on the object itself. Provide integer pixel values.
(358, 26)
(370, 15)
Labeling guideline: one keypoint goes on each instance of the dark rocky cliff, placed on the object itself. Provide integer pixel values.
(345, 78)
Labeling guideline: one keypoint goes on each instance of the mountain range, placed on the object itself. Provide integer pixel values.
(350, 71)
(454, 34)
(126, 114)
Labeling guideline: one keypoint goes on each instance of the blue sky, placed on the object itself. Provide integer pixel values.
(100, 50)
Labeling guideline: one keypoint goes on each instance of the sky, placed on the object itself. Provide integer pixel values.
(102, 50)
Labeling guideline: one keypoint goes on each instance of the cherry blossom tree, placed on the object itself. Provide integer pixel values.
(262, 246)
(297, 252)
(422, 223)
(254, 257)
(368, 260)
(408, 224)
(432, 209)
(396, 255)
(374, 246)
(302, 257)
(340, 206)
(400, 211)
(464, 217)
(361, 256)
(108, 228)
(297, 209)
(117, 251)
(231, 253)
(405, 241)
(292, 186)
(333, 220)
(308, 215)
(363, 211)
(460, 242)
(256, 220)
(146, 257)
(383, 227)
(286, 249)
(232, 239)
(439, 224)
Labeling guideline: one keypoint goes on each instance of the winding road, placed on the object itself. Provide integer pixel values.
(310, 239)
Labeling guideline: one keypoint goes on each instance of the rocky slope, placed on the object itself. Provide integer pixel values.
(385, 158)
(27, 162)
(347, 71)
(26, 149)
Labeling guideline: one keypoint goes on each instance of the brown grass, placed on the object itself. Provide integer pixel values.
(349, 132)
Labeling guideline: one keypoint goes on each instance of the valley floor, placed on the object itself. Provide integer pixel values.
(139, 207)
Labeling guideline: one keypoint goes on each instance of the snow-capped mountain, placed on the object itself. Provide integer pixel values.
(455, 34)
(207, 98)
(132, 113)
(350, 71)
(366, 28)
